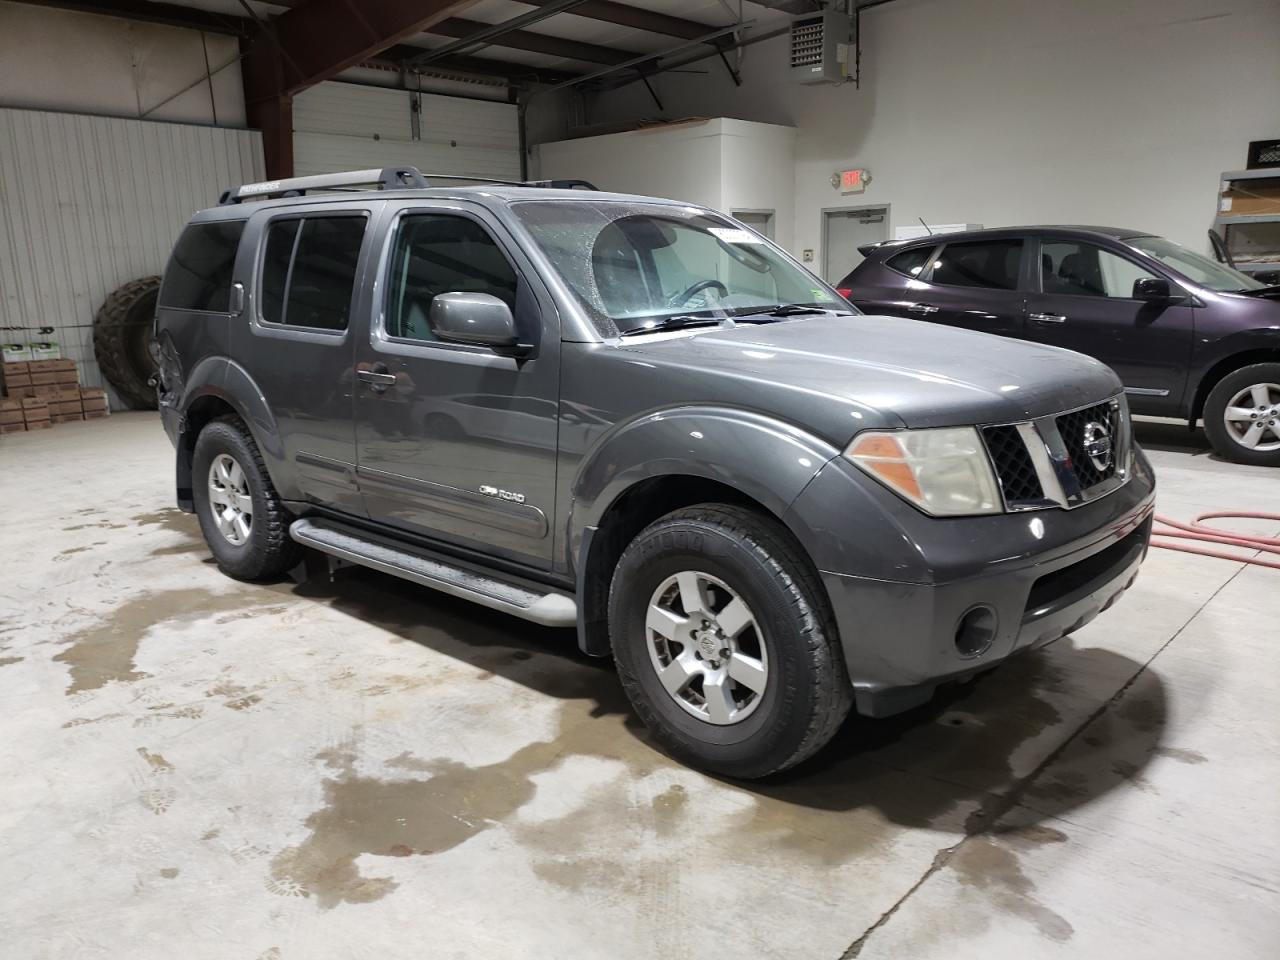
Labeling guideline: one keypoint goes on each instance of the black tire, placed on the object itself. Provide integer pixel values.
(268, 551)
(807, 692)
(123, 332)
(1215, 406)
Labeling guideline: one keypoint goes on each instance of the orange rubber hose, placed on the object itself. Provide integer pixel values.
(1198, 531)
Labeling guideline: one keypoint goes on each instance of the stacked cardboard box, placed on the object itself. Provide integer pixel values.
(40, 393)
(94, 403)
(35, 413)
(16, 380)
(11, 419)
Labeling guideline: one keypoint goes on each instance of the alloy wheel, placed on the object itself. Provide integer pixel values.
(229, 499)
(1252, 417)
(706, 647)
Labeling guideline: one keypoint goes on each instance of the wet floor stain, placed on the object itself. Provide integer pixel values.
(987, 865)
(668, 807)
(63, 555)
(85, 721)
(1182, 756)
(105, 651)
(211, 834)
(8, 661)
(169, 872)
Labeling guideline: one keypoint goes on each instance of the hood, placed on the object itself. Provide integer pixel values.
(887, 371)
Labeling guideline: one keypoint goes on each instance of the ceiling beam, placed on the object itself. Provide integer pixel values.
(320, 38)
(479, 66)
(489, 32)
(169, 14)
(535, 42)
(634, 17)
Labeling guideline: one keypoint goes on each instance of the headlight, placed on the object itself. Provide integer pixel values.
(943, 471)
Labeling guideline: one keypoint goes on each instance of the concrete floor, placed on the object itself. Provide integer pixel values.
(200, 768)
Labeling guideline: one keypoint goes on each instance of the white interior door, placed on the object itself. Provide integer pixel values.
(843, 232)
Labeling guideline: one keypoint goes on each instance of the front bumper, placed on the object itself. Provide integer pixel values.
(902, 584)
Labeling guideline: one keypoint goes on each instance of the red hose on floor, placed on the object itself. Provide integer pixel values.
(1196, 530)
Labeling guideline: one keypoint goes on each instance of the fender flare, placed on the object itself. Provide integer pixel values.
(762, 457)
(223, 378)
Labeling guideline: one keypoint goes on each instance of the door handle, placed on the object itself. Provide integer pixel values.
(1047, 318)
(378, 377)
(922, 308)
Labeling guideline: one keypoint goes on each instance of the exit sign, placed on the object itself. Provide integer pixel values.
(851, 181)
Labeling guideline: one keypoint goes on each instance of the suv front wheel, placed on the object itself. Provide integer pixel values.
(725, 643)
(242, 519)
(1242, 415)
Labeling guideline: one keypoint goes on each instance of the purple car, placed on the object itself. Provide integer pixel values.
(1189, 337)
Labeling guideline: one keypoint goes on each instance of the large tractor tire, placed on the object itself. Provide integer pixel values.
(123, 331)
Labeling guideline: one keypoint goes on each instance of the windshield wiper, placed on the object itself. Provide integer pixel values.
(678, 322)
(1269, 291)
(782, 310)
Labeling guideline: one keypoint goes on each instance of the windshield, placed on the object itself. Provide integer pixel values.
(635, 266)
(1193, 266)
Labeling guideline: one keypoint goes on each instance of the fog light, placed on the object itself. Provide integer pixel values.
(975, 631)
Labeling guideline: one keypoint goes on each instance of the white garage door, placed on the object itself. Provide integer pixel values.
(344, 126)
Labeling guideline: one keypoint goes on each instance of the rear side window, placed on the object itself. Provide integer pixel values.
(1083, 270)
(992, 264)
(199, 273)
(909, 262)
(309, 271)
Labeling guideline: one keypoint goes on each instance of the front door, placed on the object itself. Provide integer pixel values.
(458, 442)
(1084, 301)
(843, 232)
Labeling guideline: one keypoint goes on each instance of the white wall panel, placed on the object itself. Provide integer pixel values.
(343, 126)
(89, 203)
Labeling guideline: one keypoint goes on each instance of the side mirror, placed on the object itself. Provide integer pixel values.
(476, 318)
(1154, 290)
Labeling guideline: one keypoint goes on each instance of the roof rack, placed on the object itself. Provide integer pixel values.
(386, 178)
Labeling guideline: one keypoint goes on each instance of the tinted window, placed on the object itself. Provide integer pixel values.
(1083, 270)
(275, 267)
(436, 254)
(909, 262)
(979, 263)
(313, 287)
(199, 273)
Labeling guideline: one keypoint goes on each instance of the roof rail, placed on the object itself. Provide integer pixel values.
(386, 178)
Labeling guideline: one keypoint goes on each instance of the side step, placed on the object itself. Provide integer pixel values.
(523, 599)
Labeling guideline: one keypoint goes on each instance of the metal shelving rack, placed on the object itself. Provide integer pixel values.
(1252, 239)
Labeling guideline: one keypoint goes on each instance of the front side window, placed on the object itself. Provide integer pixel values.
(1084, 270)
(992, 264)
(1194, 267)
(442, 253)
(633, 265)
(199, 272)
(309, 271)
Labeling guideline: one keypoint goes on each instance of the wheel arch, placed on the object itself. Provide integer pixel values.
(1225, 367)
(216, 387)
(666, 461)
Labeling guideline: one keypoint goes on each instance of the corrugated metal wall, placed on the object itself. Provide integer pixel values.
(335, 125)
(89, 203)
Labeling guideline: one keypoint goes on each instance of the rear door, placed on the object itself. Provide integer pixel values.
(975, 284)
(297, 345)
(1082, 299)
(458, 442)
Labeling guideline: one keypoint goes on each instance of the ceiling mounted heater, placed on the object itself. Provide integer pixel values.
(822, 46)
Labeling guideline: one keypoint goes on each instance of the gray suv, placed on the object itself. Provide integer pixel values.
(641, 419)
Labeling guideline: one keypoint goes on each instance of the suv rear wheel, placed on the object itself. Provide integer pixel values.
(725, 643)
(242, 519)
(1242, 415)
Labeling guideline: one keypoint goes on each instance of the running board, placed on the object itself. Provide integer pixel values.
(523, 599)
